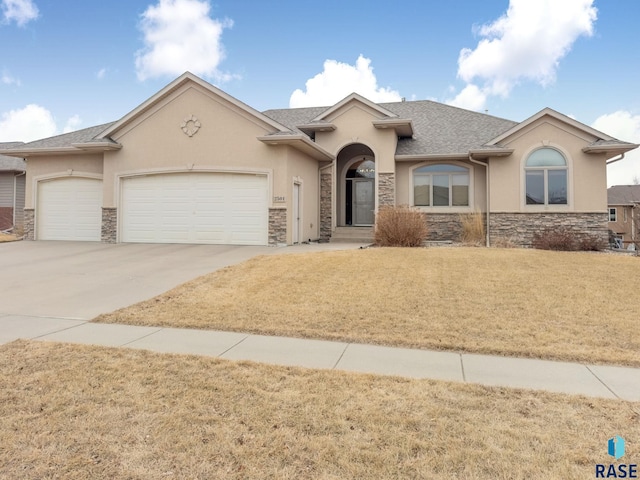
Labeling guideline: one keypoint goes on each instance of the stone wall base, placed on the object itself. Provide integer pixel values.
(443, 226)
(277, 226)
(518, 229)
(109, 231)
(29, 223)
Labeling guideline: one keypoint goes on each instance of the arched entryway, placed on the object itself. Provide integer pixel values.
(356, 186)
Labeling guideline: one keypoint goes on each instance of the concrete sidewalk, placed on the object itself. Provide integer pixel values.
(562, 377)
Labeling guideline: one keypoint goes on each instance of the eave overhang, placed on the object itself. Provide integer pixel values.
(402, 126)
(311, 128)
(610, 150)
(432, 156)
(74, 149)
(301, 143)
(484, 153)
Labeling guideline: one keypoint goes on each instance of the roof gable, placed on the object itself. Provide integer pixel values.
(349, 102)
(548, 112)
(185, 80)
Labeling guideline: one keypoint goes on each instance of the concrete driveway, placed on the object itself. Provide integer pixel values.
(79, 280)
(48, 287)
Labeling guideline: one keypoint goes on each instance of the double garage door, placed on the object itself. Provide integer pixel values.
(213, 208)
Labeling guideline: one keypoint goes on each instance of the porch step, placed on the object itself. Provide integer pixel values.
(352, 235)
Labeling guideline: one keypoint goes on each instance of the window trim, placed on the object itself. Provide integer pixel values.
(448, 208)
(542, 207)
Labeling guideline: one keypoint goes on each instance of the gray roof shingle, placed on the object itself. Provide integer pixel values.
(11, 164)
(623, 195)
(438, 128)
(86, 135)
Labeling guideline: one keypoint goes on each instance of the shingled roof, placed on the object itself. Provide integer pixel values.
(438, 128)
(11, 164)
(623, 195)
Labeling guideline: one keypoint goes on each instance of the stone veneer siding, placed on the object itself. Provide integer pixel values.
(386, 189)
(29, 223)
(518, 228)
(277, 226)
(109, 231)
(325, 207)
(443, 226)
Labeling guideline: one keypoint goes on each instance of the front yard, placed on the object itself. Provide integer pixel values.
(531, 303)
(79, 412)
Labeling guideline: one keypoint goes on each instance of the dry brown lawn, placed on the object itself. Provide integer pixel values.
(5, 237)
(79, 412)
(555, 305)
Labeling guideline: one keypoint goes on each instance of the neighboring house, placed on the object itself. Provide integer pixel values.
(624, 213)
(12, 185)
(194, 165)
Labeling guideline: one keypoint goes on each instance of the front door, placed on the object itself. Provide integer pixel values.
(363, 201)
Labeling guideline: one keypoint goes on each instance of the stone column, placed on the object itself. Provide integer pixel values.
(325, 207)
(277, 226)
(109, 231)
(29, 225)
(386, 189)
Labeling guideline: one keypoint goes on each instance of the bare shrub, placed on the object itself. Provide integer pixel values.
(472, 228)
(563, 239)
(400, 226)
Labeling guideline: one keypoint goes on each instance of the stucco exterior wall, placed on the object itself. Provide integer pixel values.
(40, 168)
(225, 141)
(586, 172)
(303, 171)
(354, 125)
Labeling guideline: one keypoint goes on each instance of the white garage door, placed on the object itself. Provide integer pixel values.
(69, 208)
(215, 208)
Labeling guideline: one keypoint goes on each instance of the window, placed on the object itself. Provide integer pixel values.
(613, 215)
(441, 185)
(546, 178)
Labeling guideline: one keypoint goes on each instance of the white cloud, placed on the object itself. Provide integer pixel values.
(338, 80)
(179, 36)
(29, 123)
(526, 43)
(100, 74)
(19, 11)
(8, 79)
(624, 126)
(72, 124)
(471, 97)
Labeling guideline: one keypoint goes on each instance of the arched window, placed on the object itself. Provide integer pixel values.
(546, 178)
(441, 185)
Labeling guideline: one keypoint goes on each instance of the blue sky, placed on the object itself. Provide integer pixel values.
(74, 64)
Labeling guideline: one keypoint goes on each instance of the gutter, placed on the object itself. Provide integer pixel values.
(616, 159)
(486, 166)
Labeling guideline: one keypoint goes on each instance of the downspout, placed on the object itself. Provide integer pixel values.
(486, 167)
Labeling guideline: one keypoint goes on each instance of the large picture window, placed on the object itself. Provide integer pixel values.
(441, 185)
(546, 178)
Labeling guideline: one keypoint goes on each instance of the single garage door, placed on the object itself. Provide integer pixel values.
(69, 208)
(214, 208)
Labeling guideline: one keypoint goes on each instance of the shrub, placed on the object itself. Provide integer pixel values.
(563, 239)
(472, 228)
(400, 227)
